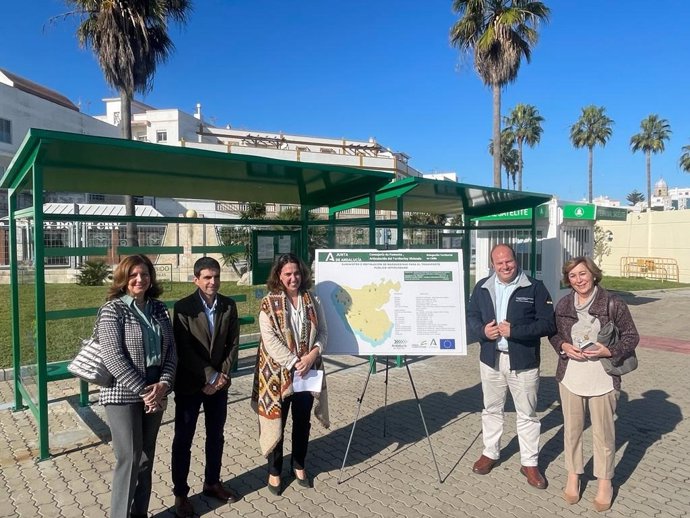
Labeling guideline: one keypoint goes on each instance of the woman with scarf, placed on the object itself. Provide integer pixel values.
(293, 338)
(582, 381)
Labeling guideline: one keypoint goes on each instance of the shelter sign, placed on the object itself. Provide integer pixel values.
(392, 302)
(522, 214)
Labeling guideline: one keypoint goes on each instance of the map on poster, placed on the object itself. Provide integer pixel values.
(392, 302)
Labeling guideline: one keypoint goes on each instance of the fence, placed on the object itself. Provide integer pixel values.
(659, 268)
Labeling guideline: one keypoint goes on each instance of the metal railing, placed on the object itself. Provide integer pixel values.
(659, 268)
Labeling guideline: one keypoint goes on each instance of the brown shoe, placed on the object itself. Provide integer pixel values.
(218, 491)
(183, 507)
(534, 478)
(484, 465)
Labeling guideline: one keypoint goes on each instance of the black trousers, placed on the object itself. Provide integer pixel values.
(301, 403)
(186, 415)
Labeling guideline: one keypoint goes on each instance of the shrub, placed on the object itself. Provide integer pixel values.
(93, 273)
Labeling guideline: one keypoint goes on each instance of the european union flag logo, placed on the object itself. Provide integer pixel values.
(447, 343)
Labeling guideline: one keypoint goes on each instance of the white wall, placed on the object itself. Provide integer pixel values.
(27, 111)
(665, 235)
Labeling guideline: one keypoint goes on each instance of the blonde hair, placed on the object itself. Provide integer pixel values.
(589, 264)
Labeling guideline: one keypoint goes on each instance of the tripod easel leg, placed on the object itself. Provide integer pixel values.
(354, 424)
(385, 399)
(421, 413)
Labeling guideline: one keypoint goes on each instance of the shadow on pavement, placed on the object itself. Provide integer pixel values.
(404, 428)
(634, 300)
(640, 424)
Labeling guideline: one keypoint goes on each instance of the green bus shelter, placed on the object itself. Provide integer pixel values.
(50, 161)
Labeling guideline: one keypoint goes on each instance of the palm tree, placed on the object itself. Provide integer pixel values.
(592, 128)
(525, 123)
(685, 159)
(655, 132)
(129, 38)
(509, 155)
(498, 33)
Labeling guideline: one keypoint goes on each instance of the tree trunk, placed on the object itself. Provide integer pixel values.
(126, 132)
(497, 135)
(648, 163)
(519, 142)
(590, 162)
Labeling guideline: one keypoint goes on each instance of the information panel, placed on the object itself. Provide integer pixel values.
(392, 302)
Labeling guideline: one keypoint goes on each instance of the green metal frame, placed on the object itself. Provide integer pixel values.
(57, 161)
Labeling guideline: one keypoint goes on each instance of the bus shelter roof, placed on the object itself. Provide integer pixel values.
(449, 198)
(72, 162)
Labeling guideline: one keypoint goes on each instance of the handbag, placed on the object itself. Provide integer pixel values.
(88, 363)
(609, 335)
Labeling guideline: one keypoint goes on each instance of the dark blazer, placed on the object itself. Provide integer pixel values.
(200, 354)
(566, 317)
(530, 313)
(122, 347)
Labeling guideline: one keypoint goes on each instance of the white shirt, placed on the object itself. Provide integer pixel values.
(503, 293)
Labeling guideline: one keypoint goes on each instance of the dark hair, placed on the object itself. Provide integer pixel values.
(205, 263)
(512, 251)
(121, 277)
(589, 264)
(274, 284)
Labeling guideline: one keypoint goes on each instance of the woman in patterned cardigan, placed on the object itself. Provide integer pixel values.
(138, 348)
(582, 381)
(293, 337)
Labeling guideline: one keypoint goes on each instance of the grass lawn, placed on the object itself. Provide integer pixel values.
(64, 335)
(633, 284)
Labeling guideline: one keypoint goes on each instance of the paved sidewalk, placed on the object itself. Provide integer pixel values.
(393, 475)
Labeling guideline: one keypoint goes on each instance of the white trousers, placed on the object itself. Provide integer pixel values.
(523, 385)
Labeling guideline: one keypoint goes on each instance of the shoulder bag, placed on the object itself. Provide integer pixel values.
(609, 335)
(88, 363)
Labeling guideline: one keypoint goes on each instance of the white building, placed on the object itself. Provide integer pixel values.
(162, 126)
(177, 128)
(676, 198)
(24, 105)
(603, 201)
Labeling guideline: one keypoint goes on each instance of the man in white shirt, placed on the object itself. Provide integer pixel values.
(508, 314)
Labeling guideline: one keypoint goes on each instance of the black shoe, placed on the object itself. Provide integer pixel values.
(183, 507)
(303, 482)
(274, 490)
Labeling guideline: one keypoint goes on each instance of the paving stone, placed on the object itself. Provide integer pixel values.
(384, 476)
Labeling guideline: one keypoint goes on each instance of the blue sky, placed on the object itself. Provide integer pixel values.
(385, 69)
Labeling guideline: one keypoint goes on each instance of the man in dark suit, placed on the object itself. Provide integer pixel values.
(207, 333)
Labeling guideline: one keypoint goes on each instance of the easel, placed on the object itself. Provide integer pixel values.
(385, 405)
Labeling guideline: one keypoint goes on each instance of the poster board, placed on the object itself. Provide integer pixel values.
(392, 302)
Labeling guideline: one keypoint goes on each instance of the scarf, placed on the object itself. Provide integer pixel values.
(273, 383)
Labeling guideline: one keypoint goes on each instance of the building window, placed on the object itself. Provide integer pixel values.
(161, 136)
(56, 238)
(96, 198)
(116, 118)
(6, 131)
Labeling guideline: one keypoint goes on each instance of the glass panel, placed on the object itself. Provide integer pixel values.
(27, 328)
(352, 237)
